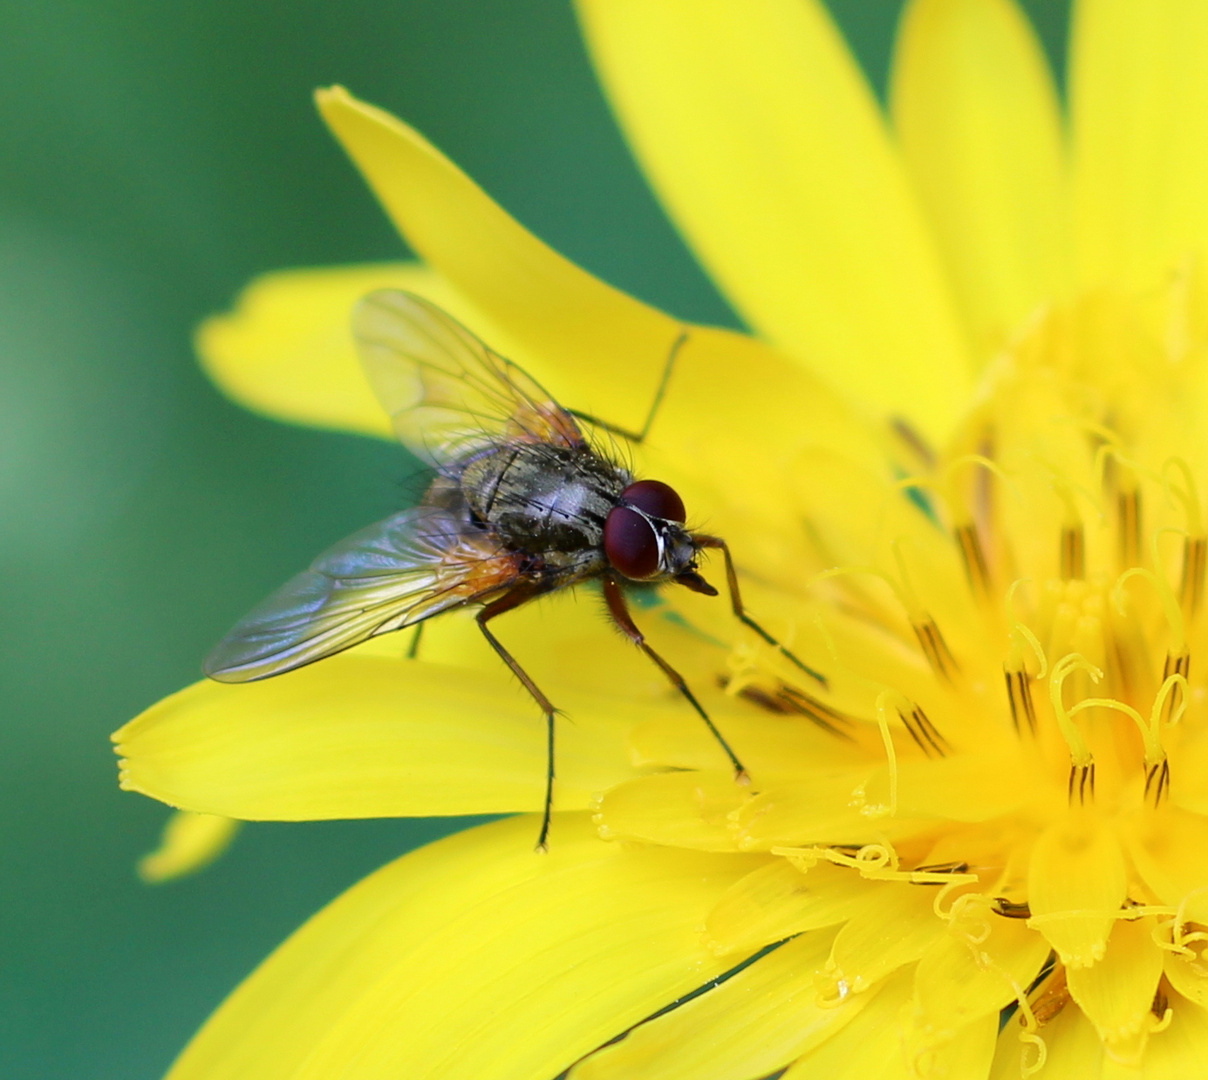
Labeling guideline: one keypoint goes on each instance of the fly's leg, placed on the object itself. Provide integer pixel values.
(639, 436)
(498, 607)
(619, 611)
(740, 613)
(413, 648)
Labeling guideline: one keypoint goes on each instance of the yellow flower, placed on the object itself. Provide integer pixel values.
(961, 467)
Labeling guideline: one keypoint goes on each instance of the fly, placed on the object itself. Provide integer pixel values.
(522, 504)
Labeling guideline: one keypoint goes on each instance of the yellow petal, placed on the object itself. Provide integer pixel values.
(1139, 100)
(977, 966)
(1076, 884)
(877, 1044)
(758, 131)
(1165, 848)
(1181, 1050)
(778, 900)
(286, 349)
(894, 928)
(1072, 1050)
(190, 843)
(823, 804)
(1162, 847)
(366, 736)
(758, 1021)
(473, 957)
(1116, 992)
(609, 347)
(684, 809)
(979, 125)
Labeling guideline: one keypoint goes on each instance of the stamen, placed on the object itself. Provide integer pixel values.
(788, 700)
(924, 732)
(891, 754)
(1082, 765)
(974, 558)
(798, 701)
(1191, 587)
(1073, 553)
(1019, 694)
(1128, 526)
(1081, 784)
(1011, 909)
(1157, 782)
(935, 648)
(1175, 672)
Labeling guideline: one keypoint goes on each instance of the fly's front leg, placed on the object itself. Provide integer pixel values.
(740, 612)
(640, 436)
(619, 611)
(498, 607)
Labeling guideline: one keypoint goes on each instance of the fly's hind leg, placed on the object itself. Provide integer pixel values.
(639, 436)
(498, 607)
(619, 611)
(740, 612)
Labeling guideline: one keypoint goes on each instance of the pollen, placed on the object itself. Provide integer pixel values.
(1001, 784)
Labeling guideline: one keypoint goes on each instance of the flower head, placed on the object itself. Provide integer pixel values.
(964, 482)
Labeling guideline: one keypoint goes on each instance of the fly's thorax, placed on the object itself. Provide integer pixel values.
(543, 499)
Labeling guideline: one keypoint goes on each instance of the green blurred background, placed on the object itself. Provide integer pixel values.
(155, 157)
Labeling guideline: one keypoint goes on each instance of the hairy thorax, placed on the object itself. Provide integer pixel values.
(544, 500)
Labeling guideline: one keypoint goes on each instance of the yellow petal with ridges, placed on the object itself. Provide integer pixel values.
(1181, 1050)
(553, 955)
(1076, 884)
(825, 805)
(978, 965)
(778, 900)
(1159, 846)
(979, 125)
(190, 843)
(683, 809)
(366, 736)
(894, 928)
(872, 1045)
(757, 1022)
(608, 348)
(1139, 104)
(1188, 974)
(286, 349)
(759, 133)
(1072, 1050)
(1116, 992)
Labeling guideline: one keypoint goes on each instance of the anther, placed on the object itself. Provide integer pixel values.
(1019, 694)
(1011, 909)
(787, 700)
(1128, 526)
(1081, 786)
(1157, 782)
(1191, 588)
(819, 712)
(1073, 553)
(1176, 664)
(935, 648)
(974, 558)
(924, 732)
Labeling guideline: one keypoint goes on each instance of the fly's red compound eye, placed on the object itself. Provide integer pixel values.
(631, 544)
(657, 499)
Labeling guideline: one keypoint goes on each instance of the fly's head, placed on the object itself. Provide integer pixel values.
(645, 538)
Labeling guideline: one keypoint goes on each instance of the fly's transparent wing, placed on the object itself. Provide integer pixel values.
(390, 575)
(447, 392)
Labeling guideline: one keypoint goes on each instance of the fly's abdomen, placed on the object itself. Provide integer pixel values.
(543, 499)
